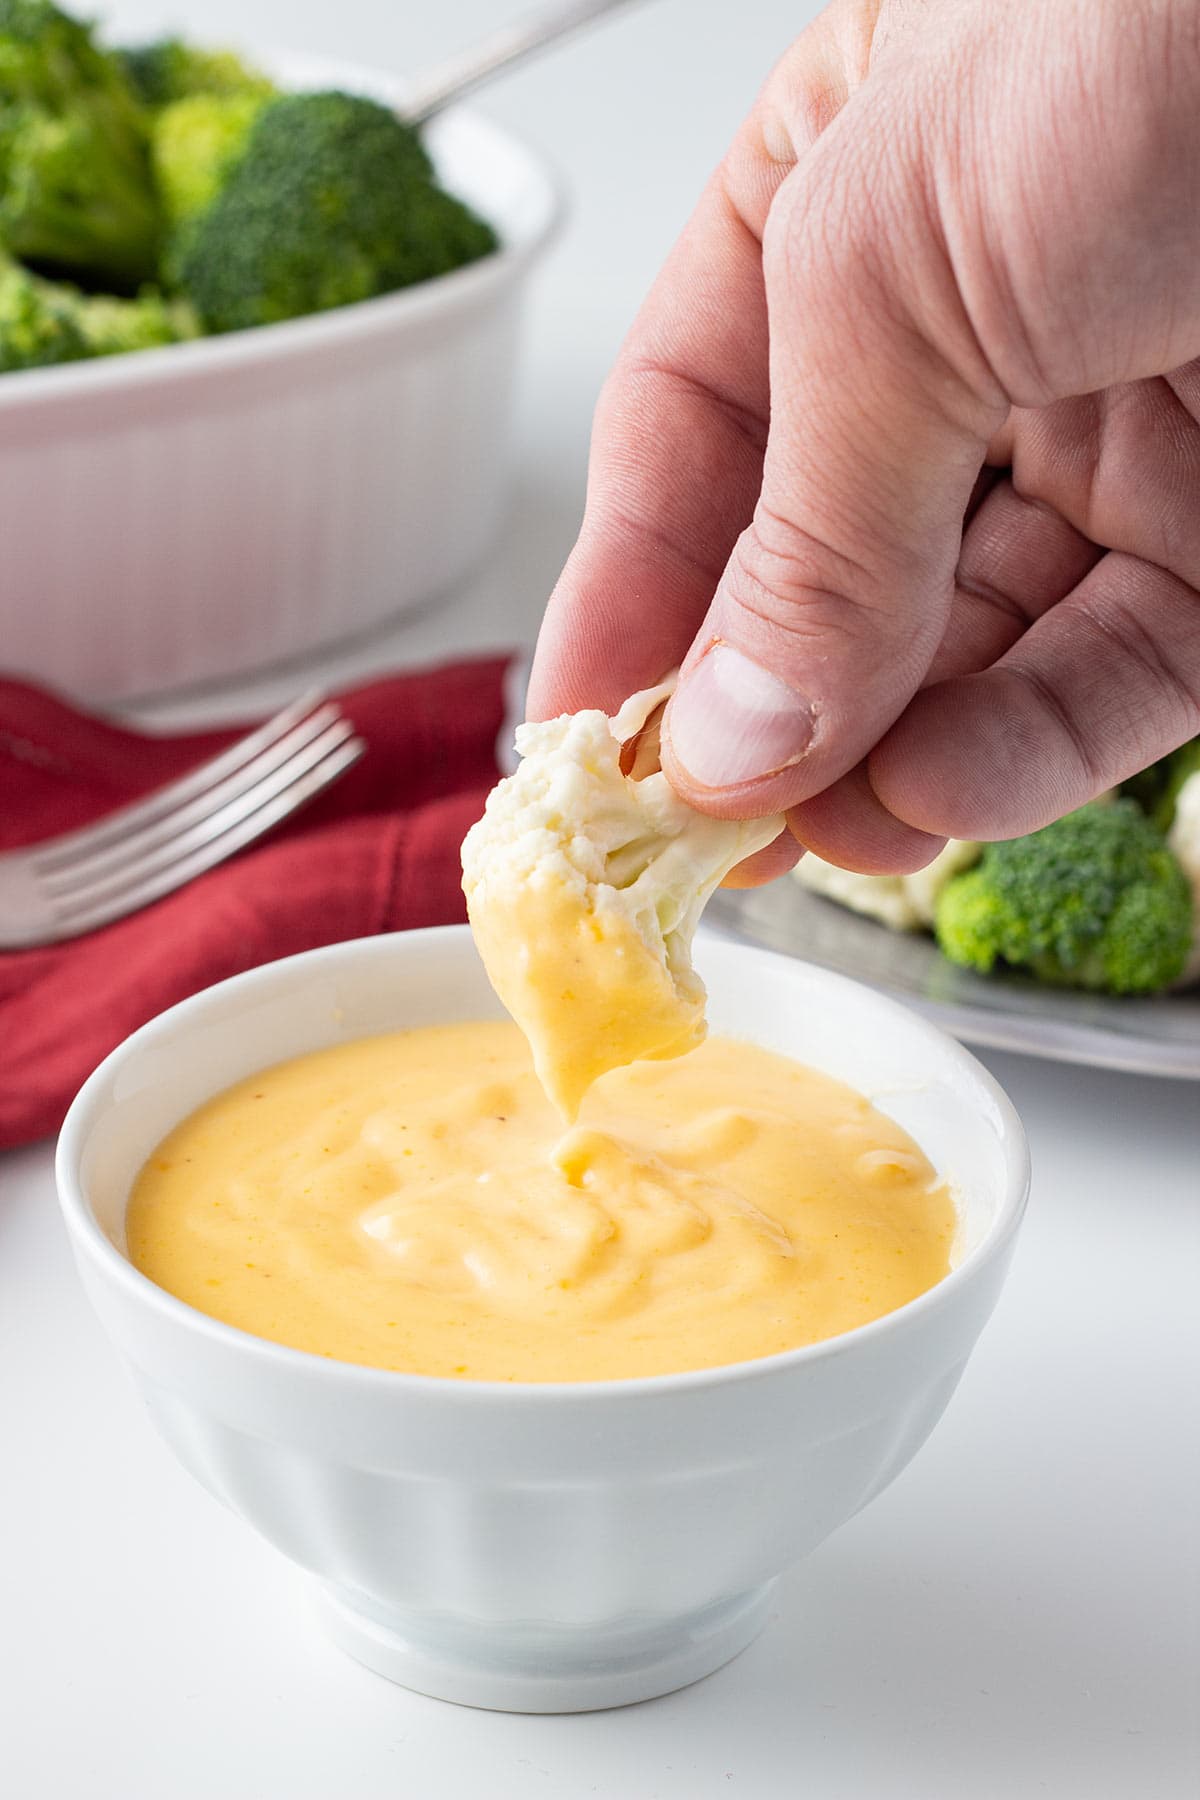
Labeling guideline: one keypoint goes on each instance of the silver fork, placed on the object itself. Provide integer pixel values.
(69, 885)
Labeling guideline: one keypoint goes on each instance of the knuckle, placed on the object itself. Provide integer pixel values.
(814, 78)
(779, 553)
(652, 382)
(1070, 732)
(783, 576)
(1166, 663)
(785, 585)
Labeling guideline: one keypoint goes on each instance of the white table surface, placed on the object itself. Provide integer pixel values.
(1017, 1615)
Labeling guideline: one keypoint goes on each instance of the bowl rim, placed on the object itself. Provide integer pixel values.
(443, 296)
(88, 1237)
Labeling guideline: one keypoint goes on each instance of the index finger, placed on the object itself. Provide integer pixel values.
(681, 426)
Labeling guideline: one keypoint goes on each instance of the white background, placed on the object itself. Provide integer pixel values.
(1017, 1616)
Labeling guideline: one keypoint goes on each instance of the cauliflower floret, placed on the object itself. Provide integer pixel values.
(584, 886)
(924, 885)
(902, 902)
(1184, 840)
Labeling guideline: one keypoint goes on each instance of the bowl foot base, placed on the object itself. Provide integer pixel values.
(543, 1669)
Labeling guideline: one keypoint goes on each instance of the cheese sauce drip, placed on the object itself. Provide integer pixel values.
(412, 1202)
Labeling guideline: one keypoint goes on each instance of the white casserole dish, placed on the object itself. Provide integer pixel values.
(193, 512)
(540, 1547)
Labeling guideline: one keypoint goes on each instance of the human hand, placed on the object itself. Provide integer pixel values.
(901, 458)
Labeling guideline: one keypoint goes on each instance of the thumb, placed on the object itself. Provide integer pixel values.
(835, 598)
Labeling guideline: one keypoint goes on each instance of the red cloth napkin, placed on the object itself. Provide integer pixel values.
(377, 852)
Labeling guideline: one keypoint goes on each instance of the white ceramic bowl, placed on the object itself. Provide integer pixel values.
(196, 511)
(540, 1547)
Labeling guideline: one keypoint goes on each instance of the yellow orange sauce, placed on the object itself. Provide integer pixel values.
(413, 1202)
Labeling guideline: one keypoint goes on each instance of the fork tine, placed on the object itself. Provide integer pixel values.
(79, 918)
(131, 872)
(176, 793)
(94, 866)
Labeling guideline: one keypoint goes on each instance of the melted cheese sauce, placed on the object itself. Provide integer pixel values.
(411, 1202)
(581, 983)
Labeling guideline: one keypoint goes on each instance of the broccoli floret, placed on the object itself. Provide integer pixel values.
(168, 70)
(111, 326)
(45, 322)
(194, 145)
(1096, 900)
(333, 200)
(38, 324)
(76, 192)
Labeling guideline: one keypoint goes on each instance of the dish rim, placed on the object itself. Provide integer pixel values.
(1048, 1036)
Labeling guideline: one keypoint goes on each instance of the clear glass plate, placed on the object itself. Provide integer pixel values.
(1159, 1036)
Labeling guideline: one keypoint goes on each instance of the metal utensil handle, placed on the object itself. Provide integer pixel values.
(441, 85)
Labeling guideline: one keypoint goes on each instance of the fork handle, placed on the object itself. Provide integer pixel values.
(458, 75)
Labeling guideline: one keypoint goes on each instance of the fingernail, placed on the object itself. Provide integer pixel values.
(733, 721)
